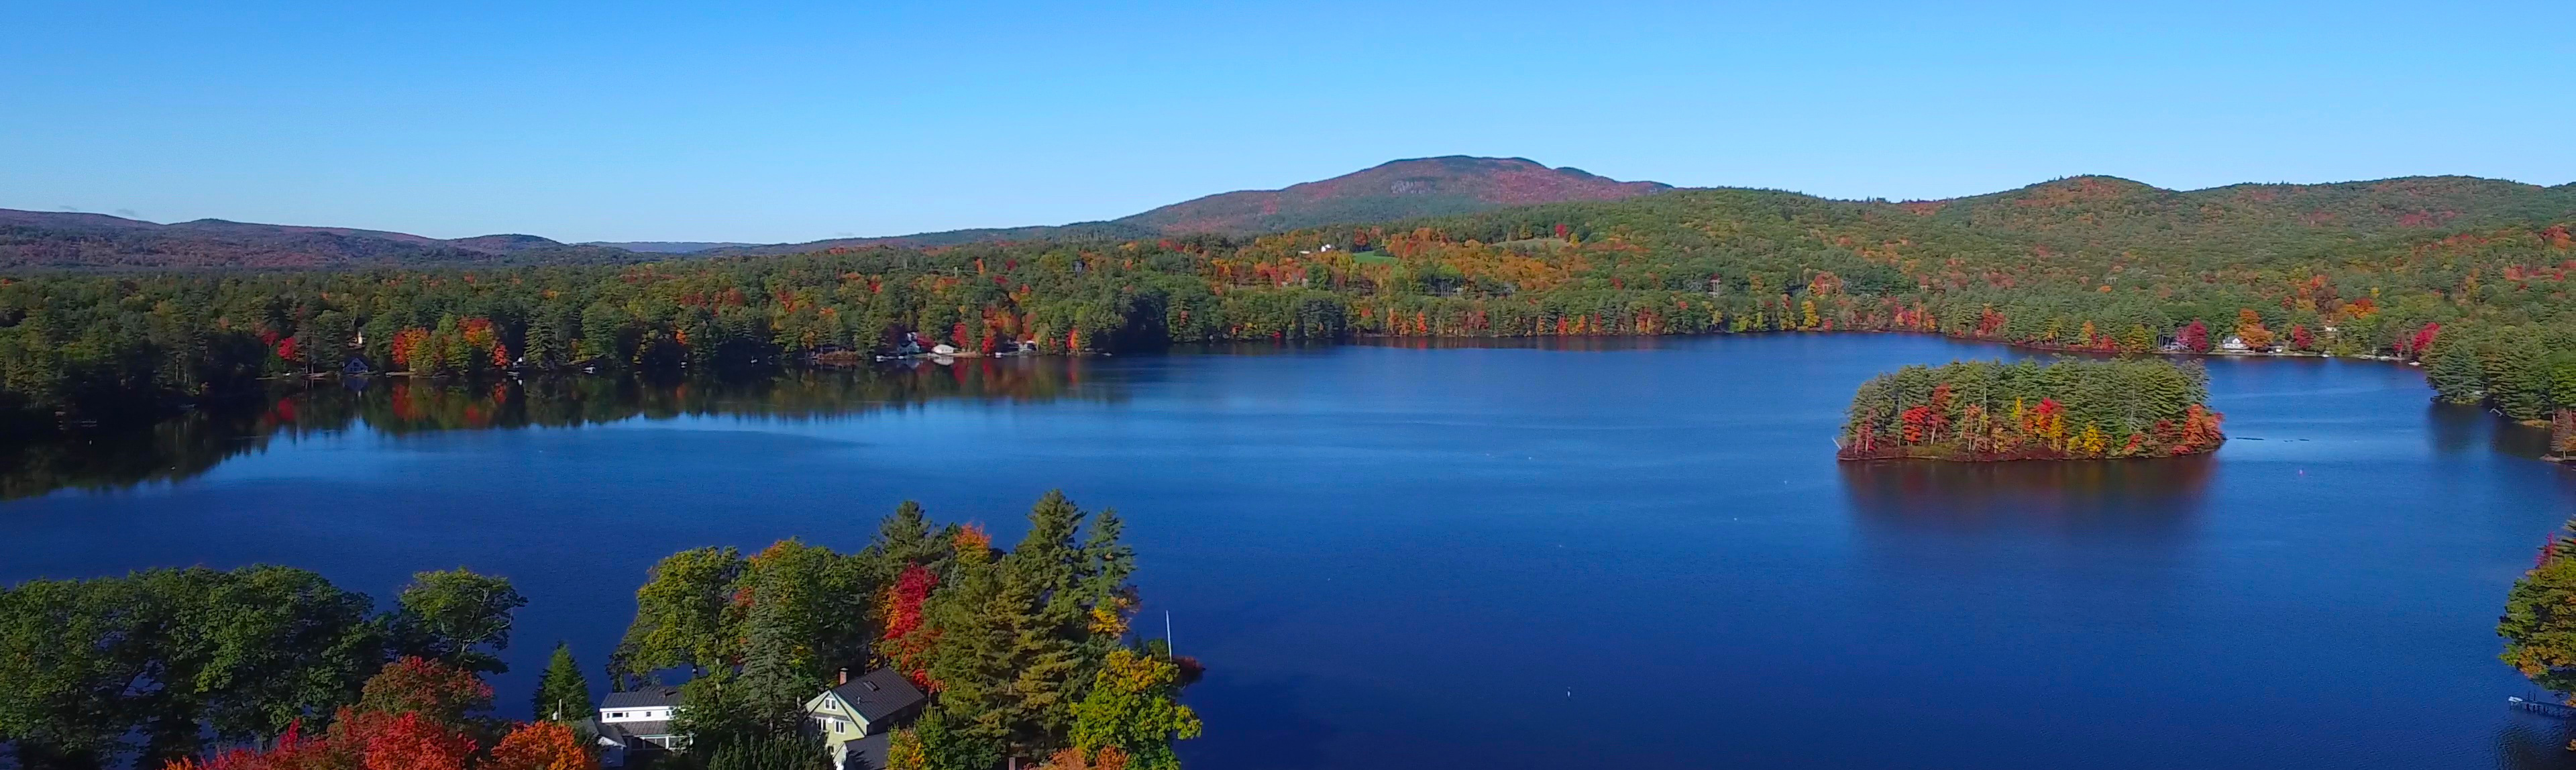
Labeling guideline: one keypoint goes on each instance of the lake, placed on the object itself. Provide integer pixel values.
(1633, 553)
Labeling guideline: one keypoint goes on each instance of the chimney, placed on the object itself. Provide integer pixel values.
(845, 676)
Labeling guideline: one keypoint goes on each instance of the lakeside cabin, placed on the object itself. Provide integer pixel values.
(638, 722)
(855, 716)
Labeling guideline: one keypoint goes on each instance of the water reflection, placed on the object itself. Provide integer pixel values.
(197, 441)
(2530, 742)
(2460, 429)
(1578, 344)
(2132, 496)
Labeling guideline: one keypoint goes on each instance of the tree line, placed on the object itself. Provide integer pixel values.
(2083, 264)
(2064, 409)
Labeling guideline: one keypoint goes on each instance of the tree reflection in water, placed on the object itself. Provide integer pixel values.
(197, 441)
(2074, 496)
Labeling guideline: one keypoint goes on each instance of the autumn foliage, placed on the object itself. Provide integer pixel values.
(413, 715)
(542, 746)
(906, 642)
(2072, 409)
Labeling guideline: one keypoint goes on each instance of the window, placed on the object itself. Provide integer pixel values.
(617, 715)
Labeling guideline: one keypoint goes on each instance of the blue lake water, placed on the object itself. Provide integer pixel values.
(1634, 554)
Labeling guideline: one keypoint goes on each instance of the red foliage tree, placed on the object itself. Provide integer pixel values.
(1990, 323)
(906, 642)
(414, 742)
(410, 716)
(2300, 339)
(439, 691)
(2194, 336)
(1918, 423)
(2421, 343)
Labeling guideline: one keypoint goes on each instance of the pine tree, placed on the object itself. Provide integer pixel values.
(2518, 381)
(1048, 569)
(563, 694)
(905, 538)
(2455, 374)
(971, 665)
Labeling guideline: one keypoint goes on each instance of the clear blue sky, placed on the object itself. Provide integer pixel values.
(792, 121)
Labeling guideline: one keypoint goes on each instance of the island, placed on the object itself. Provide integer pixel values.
(2069, 409)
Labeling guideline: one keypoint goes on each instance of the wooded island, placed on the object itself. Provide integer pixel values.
(2071, 409)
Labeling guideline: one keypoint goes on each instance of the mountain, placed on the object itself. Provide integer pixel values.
(50, 239)
(2243, 221)
(2074, 213)
(1403, 189)
(668, 247)
(1077, 230)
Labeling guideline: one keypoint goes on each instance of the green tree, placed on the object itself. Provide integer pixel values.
(2454, 371)
(167, 657)
(563, 694)
(457, 616)
(785, 752)
(905, 538)
(1134, 706)
(944, 748)
(682, 615)
(2539, 622)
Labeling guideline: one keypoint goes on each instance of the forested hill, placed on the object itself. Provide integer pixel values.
(1403, 189)
(50, 239)
(2078, 227)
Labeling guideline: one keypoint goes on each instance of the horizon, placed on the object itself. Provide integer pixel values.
(706, 243)
(681, 123)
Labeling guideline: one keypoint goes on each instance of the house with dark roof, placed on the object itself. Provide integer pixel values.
(855, 716)
(638, 721)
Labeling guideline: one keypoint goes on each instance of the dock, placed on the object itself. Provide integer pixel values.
(2544, 708)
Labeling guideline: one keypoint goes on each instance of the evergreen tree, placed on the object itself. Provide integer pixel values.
(944, 748)
(905, 538)
(977, 615)
(790, 751)
(2455, 373)
(2518, 381)
(563, 694)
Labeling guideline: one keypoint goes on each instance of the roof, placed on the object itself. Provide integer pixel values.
(623, 732)
(868, 753)
(878, 694)
(644, 698)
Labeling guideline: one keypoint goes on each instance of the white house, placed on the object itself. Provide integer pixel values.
(638, 721)
(854, 716)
